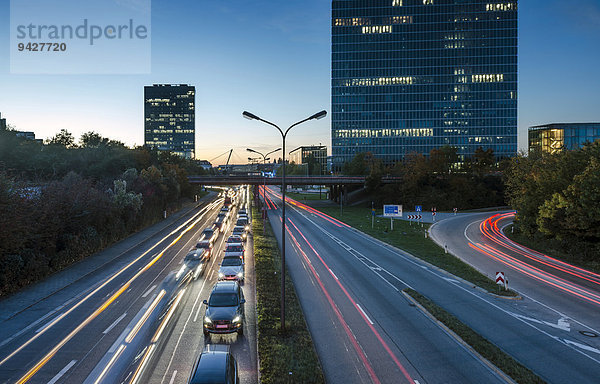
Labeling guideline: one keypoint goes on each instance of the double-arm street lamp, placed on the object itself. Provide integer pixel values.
(316, 116)
(264, 162)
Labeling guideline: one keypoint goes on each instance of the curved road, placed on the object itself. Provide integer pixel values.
(364, 330)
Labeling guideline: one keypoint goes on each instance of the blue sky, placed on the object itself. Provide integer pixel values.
(272, 58)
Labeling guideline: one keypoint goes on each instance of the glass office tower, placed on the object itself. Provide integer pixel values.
(414, 75)
(169, 118)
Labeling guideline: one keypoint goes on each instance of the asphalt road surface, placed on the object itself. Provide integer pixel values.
(97, 320)
(364, 330)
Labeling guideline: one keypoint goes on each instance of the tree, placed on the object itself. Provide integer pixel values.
(442, 159)
(357, 166)
(64, 138)
(482, 163)
(574, 212)
(92, 140)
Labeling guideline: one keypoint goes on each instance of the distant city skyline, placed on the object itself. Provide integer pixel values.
(273, 58)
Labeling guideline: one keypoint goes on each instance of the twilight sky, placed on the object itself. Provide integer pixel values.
(272, 58)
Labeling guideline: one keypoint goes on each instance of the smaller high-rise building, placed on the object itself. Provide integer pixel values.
(302, 155)
(169, 118)
(558, 137)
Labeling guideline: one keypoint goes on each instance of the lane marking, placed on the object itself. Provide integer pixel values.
(561, 324)
(173, 377)
(333, 274)
(129, 327)
(347, 294)
(411, 259)
(43, 327)
(195, 219)
(149, 291)
(114, 324)
(47, 315)
(62, 372)
(582, 346)
(364, 313)
(360, 257)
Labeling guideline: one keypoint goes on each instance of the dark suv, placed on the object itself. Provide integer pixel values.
(214, 366)
(225, 309)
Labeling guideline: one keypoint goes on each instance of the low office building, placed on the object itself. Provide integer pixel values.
(302, 155)
(557, 137)
(25, 134)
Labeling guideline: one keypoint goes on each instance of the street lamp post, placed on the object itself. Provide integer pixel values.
(264, 180)
(316, 116)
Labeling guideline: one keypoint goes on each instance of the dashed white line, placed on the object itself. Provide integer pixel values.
(173, 377)
(364, 313)
(45, 325)
(333, 274)
(62, 372)
(148, 291)
(110, 327)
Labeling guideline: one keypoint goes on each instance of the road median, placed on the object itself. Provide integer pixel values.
(497, 360)
(287, 356)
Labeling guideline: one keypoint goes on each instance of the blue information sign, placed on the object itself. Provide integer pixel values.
(392, 210)
(418, 208)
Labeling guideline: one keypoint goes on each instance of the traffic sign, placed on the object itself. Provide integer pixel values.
(500, 278)
(418, 208)
(392, 211)
(373, 211)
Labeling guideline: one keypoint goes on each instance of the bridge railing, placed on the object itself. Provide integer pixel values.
(291, 180)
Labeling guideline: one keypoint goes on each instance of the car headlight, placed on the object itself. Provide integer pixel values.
(240, 274)
(237, 319)
(221, 275)
(207, 319)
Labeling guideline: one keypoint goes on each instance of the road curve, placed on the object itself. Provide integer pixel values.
(343, 274)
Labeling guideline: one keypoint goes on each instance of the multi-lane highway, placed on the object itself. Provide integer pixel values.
(349, 285)
(135, 315)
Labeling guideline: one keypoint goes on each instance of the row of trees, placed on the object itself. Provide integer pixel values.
(437, 180)
(558, 196)
(62, 201)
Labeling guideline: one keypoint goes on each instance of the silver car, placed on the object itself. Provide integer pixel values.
(231, 268)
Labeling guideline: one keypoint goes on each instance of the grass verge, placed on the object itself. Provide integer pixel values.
(489, 351)
(285, 357)
(307, 196)
(411, 238)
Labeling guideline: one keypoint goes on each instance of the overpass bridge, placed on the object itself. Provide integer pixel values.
(289, 180)
(338, 185)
